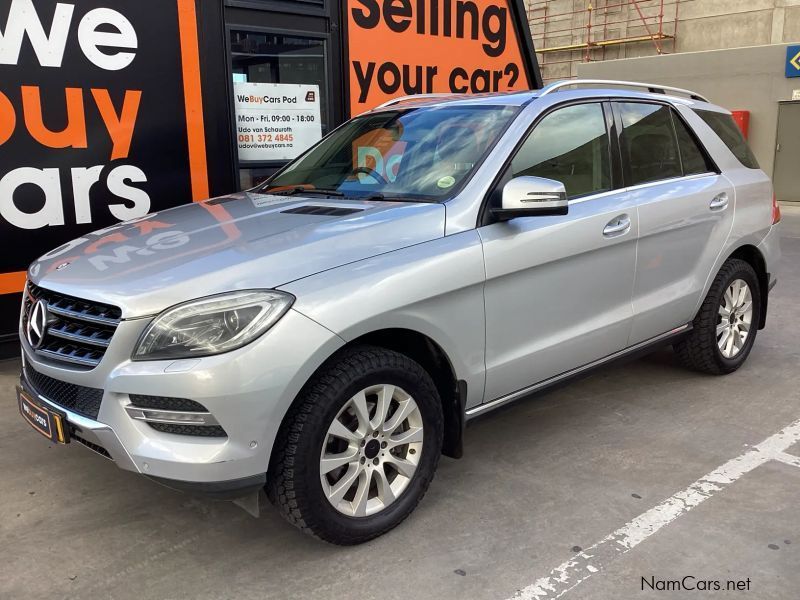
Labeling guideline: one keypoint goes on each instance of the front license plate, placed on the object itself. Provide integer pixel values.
(49, 423)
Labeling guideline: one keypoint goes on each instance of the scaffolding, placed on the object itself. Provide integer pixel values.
(566, 32)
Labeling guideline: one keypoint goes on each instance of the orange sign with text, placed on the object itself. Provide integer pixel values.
(405, 47)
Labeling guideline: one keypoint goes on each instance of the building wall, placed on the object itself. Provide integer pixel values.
(716, 24)
(696, 24)
(739, 79)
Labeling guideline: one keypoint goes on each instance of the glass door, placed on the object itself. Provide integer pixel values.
(285, 88)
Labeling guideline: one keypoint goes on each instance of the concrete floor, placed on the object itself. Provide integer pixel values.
(538, 480)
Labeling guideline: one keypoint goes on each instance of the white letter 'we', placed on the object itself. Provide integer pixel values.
(22, 19)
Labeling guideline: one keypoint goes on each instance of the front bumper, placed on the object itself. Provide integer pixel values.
(248, 391)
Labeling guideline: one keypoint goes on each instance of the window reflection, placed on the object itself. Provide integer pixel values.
(569, 145)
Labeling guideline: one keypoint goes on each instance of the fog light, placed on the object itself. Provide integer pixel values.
(173, 417)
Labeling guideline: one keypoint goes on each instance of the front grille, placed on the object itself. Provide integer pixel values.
(77, 332)
(165, 403)
(196, 430)
(76, 398)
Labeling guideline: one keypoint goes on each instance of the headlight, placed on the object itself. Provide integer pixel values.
(211, 325)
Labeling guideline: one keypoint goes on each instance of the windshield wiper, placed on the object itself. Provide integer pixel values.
(301, 190)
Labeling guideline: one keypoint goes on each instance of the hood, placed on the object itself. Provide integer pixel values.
(229, 243)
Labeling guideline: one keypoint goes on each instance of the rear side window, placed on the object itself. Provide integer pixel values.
(570, 145)
(649, 145)
(693, 158)
(725, 127)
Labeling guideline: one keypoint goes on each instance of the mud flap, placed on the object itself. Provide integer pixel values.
(251, 503)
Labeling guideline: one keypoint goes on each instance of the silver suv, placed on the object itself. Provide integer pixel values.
(328, 334)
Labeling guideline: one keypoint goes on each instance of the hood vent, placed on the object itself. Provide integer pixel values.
(328, 211)
(221, 200)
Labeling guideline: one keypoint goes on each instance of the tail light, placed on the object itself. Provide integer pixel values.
(776, 210)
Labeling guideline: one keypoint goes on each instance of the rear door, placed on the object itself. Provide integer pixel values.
(558, 288)
(685, 214)
(787, 152)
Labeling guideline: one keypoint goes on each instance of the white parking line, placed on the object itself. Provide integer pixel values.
(593, 559)
(789, 459)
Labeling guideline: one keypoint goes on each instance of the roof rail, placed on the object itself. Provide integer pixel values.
(414, 97)
(650, 87)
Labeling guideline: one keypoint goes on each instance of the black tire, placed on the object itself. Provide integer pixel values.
(293, 480)
(699, 350)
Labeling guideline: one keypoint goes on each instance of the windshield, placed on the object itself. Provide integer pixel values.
(415, 154)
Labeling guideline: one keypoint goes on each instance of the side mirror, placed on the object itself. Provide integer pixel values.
(531, 197)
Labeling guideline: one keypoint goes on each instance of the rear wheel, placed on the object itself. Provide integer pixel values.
(358, 450)
(726, 325)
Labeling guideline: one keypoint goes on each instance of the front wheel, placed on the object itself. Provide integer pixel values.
(725, 327)
(359, 448)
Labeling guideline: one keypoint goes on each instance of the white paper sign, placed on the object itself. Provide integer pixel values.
(276, 121)
(795, 94)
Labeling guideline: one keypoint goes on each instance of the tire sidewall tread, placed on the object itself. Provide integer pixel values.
(293, 482)
(699, 350)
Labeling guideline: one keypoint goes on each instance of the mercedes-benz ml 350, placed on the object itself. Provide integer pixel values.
(327, 334)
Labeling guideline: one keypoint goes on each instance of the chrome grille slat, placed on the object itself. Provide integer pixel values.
(71, 358)
(76, 337)
(78, 331)
(72, 314)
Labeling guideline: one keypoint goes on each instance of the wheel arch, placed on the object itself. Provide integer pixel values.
(752, 255)
(431, 357)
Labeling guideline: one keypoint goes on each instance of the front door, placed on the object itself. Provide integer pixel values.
(787, 152)
(558, 288)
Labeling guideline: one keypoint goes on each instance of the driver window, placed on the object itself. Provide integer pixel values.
(570, 145)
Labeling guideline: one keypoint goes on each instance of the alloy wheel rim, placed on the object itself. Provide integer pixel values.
(735, 318)
(371, 450)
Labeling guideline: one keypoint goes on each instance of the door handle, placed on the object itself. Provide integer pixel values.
(719, 202)
(617, 226)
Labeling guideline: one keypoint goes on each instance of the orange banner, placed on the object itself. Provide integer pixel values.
(405, 47)
(102, 149)
(11, 283)
(193, 95)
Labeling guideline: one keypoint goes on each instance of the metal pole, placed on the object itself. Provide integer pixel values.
(587, 56)
(646, 26)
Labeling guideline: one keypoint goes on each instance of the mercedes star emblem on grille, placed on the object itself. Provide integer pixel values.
(37, 324)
